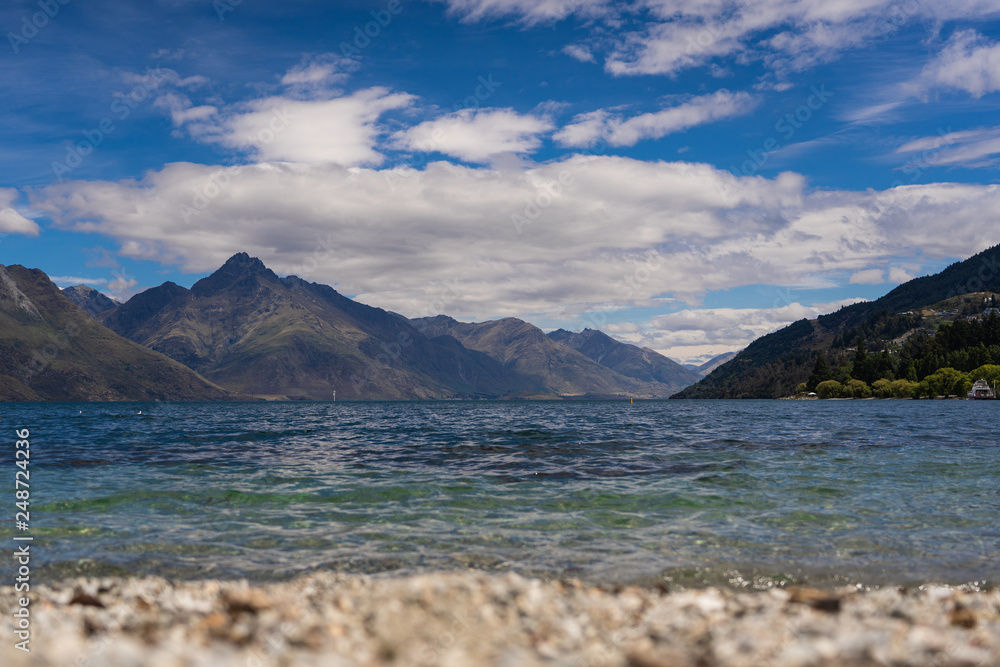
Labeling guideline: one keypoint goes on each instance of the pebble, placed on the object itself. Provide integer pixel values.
(478, 619)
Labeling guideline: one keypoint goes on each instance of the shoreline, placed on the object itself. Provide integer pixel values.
(473, 618)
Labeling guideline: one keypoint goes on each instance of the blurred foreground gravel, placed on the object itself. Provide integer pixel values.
(468, 619)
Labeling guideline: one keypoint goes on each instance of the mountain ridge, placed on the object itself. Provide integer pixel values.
(775, 364)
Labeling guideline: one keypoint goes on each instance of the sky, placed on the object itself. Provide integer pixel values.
(685, 175)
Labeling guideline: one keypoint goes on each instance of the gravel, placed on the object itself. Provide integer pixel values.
(468, 619)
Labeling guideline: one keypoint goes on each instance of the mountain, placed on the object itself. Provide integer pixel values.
(629, 360)
(52, 350)
(90, 299)
(713, 363)
(774, 365)
(554, 368)
(248, 330)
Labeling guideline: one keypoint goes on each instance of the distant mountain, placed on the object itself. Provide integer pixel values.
(251, 331)
(52, 350)
(90, 299)
(714, 363)
(631, 361)
(774, 365)
(555, 368)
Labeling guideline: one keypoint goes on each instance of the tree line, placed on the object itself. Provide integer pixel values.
(944, 364)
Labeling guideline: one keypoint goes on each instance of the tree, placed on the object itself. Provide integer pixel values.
(857, 389)
(830, 389)
(988, 372)
(947, 382)
(820, 373)
(904, 389)
(882, 388)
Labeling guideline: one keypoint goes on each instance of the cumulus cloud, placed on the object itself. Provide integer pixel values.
(969, 61)
(868, 277)
(12, 222)
(698, 334)
(476, 135)
(341, 130)
(899, 275)
(585, 234)
(586, 129)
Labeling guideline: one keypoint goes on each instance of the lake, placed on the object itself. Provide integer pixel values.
(737, 493)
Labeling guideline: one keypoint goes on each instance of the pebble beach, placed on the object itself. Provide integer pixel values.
(472, 619)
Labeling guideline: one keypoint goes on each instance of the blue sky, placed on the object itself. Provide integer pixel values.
(685, 175)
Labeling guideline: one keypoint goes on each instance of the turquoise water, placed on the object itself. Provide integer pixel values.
(744, 493)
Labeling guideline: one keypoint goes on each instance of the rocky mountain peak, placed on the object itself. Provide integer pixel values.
(239, 268)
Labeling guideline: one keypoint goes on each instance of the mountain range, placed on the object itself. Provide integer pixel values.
(775, 364)
(243, 331)
(53, 350)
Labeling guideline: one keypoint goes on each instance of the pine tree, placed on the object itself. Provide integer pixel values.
(821, 372)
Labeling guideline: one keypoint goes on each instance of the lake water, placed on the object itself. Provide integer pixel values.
(741, 493)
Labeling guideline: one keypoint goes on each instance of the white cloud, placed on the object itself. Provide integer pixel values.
(868, 277)
(12, 222)
(476, 135)
(899, 275)
(669, 36)
(583, 234)
(70, 281)
(531, 12)
(341, 130)
(698, 334)
(579, 52)
(586, 129)
(182, 110)
(323, 70)
(969, 148)
(969, 62)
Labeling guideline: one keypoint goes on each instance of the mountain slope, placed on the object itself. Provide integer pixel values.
(628, 360)
(553, 367)
(773, 365)
(713, 363)
(92, 301)
(50, 349)
(247, 329)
